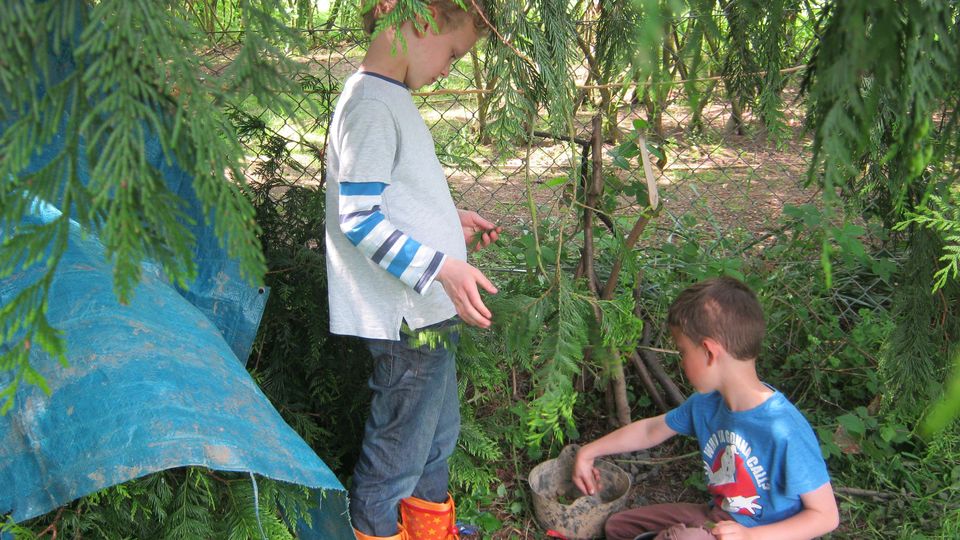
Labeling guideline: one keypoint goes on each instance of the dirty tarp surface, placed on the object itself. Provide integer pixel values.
(156, 384)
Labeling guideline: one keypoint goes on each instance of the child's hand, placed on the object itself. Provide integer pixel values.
(730, 530)
(585, 476)
(460, 282)
(478, 233)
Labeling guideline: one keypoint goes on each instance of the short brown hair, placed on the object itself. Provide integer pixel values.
(447, 12)
(723, 309)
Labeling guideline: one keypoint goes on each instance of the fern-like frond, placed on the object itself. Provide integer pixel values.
(942, 216)
(189, 514)
(562, 349)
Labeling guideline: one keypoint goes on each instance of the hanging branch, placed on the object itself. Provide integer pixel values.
(641, 222)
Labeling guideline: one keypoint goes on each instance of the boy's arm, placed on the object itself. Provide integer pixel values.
(413, 263)
(639, 435)
(818, 517)
(368, 129)
(366, 227)
(460, 280)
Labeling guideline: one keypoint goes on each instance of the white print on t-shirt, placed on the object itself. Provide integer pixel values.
(726, 437)
(733, 475)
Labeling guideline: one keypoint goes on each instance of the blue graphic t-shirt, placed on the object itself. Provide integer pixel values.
(758, 462)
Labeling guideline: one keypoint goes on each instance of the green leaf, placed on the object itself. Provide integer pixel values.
(852, 423)
(557, 181)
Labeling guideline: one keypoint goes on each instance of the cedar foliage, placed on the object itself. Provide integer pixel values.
(884, 98)
(136, 71)
(883, 114)
(181, 504)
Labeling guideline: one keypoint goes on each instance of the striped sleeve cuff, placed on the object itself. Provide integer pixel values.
(430, 274)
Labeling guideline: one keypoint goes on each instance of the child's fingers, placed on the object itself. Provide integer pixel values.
(484, 237)
(486, 284)
(472, 317)
(483, 223)
(490, 236)
(467, 309)
(477, 304)
(579, 483)
(583, 484)
(594, 481)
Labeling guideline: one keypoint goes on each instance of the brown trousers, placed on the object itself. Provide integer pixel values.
(675, 521)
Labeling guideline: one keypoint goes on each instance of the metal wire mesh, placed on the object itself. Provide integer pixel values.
(732, 178)
(736, 182)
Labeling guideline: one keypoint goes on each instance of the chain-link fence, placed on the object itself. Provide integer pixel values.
(729, 174)
(719, 166)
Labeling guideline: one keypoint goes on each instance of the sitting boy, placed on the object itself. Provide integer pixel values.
(763, 463)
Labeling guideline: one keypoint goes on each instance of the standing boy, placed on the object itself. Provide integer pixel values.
(392, 230)
(763, 463)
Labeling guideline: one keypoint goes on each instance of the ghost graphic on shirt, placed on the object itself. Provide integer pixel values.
(728, 479)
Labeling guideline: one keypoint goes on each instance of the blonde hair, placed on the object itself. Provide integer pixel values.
(447, 12)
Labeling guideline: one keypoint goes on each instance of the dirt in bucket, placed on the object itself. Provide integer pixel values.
(560, 506)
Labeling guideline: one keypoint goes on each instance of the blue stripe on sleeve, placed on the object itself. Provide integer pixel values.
(403, 258)
(358, 233)
(362, 188)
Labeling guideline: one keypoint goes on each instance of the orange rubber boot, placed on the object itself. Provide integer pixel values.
(402, 535)
(425, 520)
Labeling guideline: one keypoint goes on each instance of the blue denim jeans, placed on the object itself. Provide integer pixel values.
(412, 428)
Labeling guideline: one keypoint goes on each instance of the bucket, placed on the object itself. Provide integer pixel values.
(561, 507)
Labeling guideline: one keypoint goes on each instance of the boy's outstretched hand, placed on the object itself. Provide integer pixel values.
(460, 280)
(585, 476)
(478, 233)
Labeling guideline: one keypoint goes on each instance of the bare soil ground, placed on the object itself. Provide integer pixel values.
(728, 180)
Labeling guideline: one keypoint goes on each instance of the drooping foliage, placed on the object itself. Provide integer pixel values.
(883, 115)
(883, 91)
(182, 504)
(135, 70)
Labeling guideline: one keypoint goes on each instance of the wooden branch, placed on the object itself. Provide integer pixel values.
(618, 385)
(617, 388)
(618, 264)
(657, 461)
(648, 383)
(674, 396)
(578, 140)
(641, 221)
(592, 191)
(500, 37)
(857, 492)
(650, 357)
(52, 528)
(585, 145)
(611, 407)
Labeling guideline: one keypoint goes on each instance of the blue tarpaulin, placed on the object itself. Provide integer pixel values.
(155, 384)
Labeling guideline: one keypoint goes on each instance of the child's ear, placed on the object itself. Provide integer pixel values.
(422, 26)
(713, 348)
